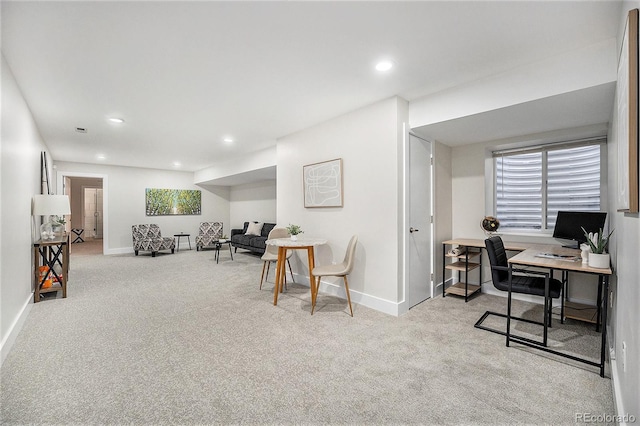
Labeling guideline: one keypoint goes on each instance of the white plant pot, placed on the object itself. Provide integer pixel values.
(294, 238)
(601, 261)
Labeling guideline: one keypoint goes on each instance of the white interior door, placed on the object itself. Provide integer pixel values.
(89, 208)
(67, 192)
(98, 213)
(420, 283)
(92, 212)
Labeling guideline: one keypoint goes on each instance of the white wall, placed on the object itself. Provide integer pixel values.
(575, 70)
(124, 193)
(368, 142)
(252, 202)
(625, 252)
(443, 202)
(19, 181)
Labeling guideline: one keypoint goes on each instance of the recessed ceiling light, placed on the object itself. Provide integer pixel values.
(384, 65)
(100, 157)
(176, 164)
(116, 120)
(228, 140)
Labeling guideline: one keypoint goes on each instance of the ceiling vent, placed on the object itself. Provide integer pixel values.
(81, 130)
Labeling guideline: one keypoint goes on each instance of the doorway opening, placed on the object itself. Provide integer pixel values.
(88, 222)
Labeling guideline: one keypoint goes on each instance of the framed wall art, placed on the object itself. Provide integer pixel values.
(323, 184)
(627, 109)
(163, 202)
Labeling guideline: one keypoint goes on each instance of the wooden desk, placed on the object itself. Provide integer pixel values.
(529, 257)
(54, 255)
(285, 244)
(473, 242)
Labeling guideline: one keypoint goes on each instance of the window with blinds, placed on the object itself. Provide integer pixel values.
(533, 184)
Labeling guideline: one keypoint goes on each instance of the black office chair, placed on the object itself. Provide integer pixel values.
(533, 282)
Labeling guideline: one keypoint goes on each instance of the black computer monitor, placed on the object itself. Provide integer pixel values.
(569, 225)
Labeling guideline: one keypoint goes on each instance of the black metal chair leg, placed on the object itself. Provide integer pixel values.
(509, 308)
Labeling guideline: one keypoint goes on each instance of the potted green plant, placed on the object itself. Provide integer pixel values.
(598, 244)
(294, 230)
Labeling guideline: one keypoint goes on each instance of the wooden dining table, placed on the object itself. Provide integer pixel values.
(285, 244)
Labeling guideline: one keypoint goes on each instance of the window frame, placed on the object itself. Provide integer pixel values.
(544, 149)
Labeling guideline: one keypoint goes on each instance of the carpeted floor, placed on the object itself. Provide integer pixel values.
(179, 339)
(89, 247)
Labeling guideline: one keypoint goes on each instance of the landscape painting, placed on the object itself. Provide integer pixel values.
(164, 202)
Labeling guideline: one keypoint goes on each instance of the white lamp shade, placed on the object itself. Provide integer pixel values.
(45, 205)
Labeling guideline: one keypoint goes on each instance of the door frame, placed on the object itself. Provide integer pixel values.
(60, 175)
(403, 299)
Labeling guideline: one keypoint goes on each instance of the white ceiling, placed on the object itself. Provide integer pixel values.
(184, 75)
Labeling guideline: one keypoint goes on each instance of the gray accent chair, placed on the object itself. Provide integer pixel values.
(147, 237)
(208, 234)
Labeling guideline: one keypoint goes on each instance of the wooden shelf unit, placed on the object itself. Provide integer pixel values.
(55, 255)
(463, 264)
(581, 312)
(458, 289)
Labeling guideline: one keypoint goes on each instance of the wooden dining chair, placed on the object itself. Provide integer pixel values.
(340, 270)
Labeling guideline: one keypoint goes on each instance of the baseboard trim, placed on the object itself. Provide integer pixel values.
(122, 250)
(373, 302)
(14, 330)
(617, 392)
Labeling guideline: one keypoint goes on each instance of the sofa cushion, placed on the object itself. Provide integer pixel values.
(242, 239)
(254, 228)
(266, 228)
(259, 242)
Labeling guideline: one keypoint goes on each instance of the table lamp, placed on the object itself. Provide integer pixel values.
(51, 206)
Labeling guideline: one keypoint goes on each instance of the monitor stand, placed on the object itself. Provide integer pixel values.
(575, 245)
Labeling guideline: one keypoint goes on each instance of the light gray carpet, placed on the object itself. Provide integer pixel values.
(179, 339)
(90, 247)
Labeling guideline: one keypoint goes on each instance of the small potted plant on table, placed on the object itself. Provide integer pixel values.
(598, 243)
(294, 230)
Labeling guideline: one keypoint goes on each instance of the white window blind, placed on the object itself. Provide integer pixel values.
(532, 185)
(519, 191)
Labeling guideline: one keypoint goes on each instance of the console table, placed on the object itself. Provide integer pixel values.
(54, 256)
